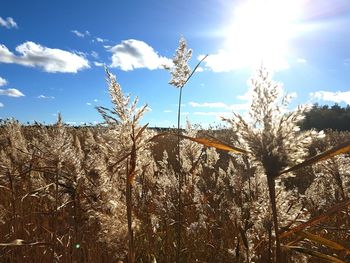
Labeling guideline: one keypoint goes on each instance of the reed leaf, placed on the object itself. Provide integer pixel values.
(315, 254)
(212, 142)
(313, 221)
(141, 131)
(323, 241)
(342, 148)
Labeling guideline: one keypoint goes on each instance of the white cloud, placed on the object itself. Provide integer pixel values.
(94, 54)
(45, 97)
(246, 96)
(95, 100)
(71, 122)
(80, 34)
(3, 81)
(213, 113)
(133, 54)
(88, 103)
(337, 97)
(230, 60)
(199, 69)
(167, 111)
(301, 60)
(8, 22)
(77, 33)
(219, 105)
(101, 40)
(208, 105)
(49, 59)
(98, 64)
(1, 105)
(11, 92)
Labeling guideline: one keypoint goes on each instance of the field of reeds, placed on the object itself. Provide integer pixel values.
(258, 190)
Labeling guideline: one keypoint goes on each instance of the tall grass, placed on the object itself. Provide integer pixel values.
(180, 75)
(116, 193)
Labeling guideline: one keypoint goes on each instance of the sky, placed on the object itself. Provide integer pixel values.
(53, 53)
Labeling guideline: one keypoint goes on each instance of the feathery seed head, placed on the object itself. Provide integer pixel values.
(180, 71)
(272, 135)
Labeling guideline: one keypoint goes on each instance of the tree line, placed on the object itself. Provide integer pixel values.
(323, 117)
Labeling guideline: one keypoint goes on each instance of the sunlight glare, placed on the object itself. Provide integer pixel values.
(260, 31)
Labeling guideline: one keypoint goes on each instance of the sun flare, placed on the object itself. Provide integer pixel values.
(260, 32)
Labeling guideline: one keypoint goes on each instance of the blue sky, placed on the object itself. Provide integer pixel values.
(51, 54)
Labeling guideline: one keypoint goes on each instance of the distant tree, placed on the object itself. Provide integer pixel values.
(327, 117)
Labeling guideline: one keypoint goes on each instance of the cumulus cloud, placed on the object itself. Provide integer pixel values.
(133, 54)
(11, 92)
(337, 97)
(8, 22)
(45, 97)
(49, 59)
(3, 81)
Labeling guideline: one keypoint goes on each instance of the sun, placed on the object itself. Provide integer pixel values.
(260, 32)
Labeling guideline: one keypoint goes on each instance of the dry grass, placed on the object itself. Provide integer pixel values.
(212, 231)
(114, 193)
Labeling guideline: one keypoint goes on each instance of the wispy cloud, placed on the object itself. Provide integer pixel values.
(94, 54)
(8, 22)
(100, 40)
(98, 64)
(337, 97)
(1, 105)
(133, 54)
(71, 123)
(167, 111)
(346, 62)
(208, 105)
(80, 34)
(11, 92)
(45, 97)
(219, 105)
(3, 81)
(49, 59)
(301, 60)
(88, 103)
(213, 113)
